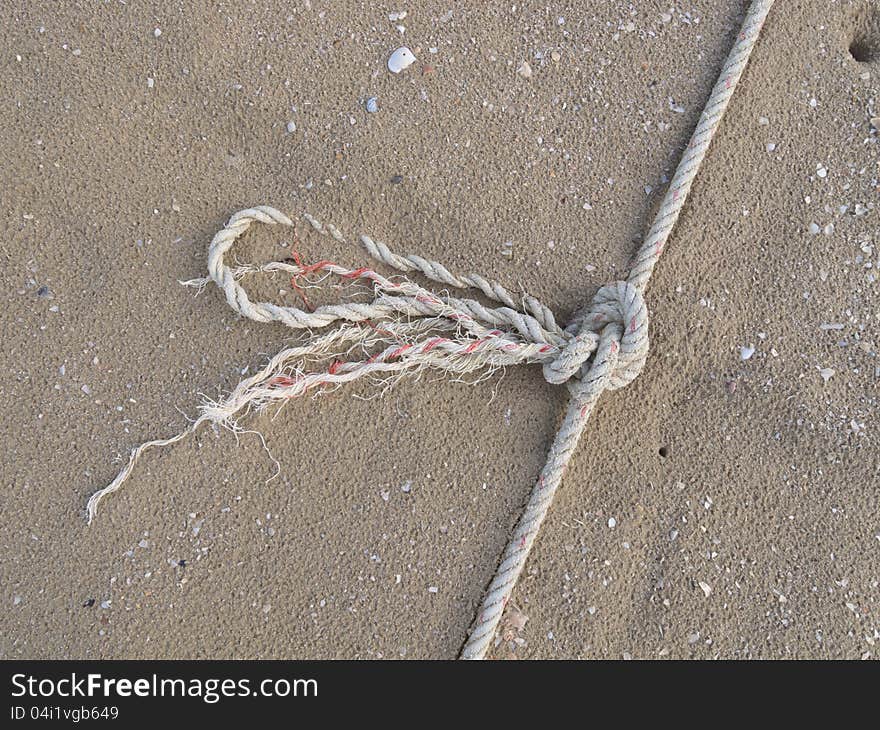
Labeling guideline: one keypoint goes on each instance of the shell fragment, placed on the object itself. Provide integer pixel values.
(400, 59)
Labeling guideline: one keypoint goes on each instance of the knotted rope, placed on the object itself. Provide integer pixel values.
(406, 328)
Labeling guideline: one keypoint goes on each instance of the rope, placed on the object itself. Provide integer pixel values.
(406, 328)
(600, 377)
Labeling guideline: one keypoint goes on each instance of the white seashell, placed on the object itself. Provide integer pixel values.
(525, 70)
(372, 105)
(400, 59)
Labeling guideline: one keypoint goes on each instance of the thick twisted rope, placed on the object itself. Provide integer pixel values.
(590, 388)
(406, 328)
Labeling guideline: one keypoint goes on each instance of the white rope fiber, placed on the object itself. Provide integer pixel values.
(406, 328)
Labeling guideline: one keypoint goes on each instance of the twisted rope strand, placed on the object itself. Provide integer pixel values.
(603, 348)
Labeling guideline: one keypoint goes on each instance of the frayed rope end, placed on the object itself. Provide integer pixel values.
(95, 499)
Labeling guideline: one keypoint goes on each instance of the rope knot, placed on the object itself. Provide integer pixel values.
(618, 318)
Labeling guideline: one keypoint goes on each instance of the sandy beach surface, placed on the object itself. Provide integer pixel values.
(723, 505)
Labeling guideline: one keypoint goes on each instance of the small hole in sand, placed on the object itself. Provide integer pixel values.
(663, 451)
(864, 50)
(864, 45)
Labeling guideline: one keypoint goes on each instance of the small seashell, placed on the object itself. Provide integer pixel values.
(372, 105)
(525, 70)
(400, 59)
(746, 352)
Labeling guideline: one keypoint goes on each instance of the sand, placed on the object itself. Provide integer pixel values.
(126, 147)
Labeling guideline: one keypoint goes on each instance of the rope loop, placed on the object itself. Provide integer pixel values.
(619, 304)
(623, 304)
